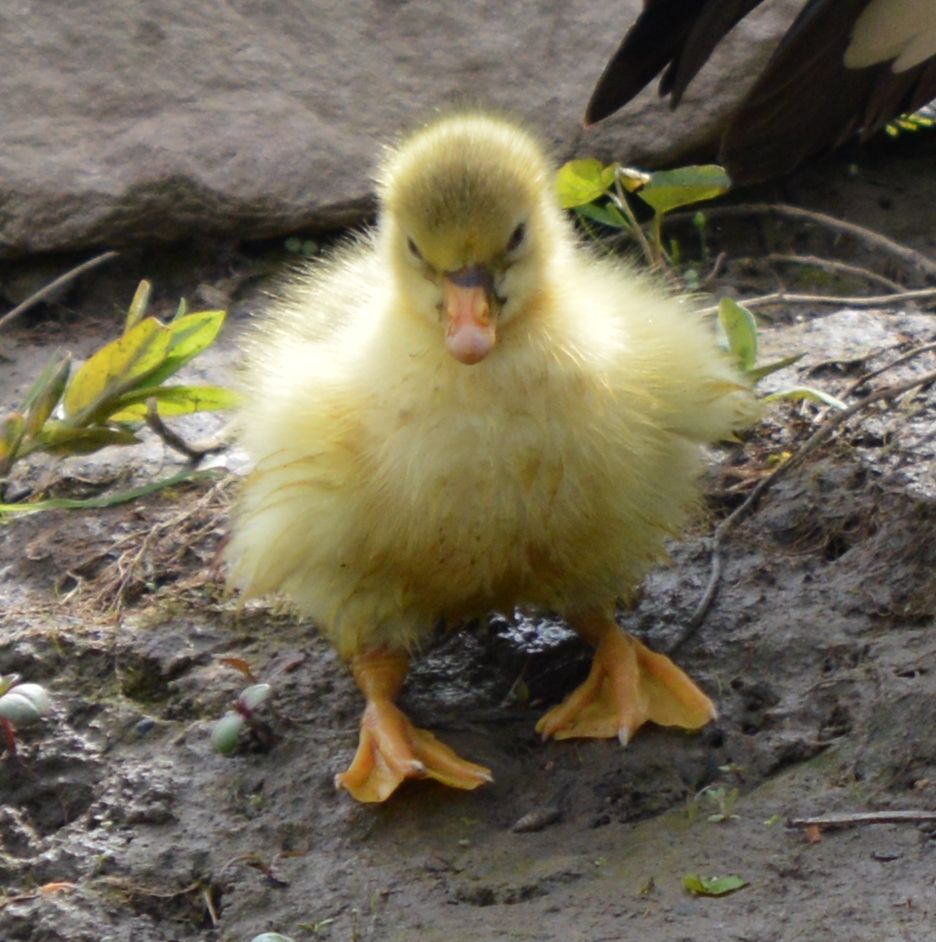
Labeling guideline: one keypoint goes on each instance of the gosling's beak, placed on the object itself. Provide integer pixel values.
(467, 296)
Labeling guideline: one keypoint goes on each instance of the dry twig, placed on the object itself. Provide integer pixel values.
(830, 264)
(875, 240)
(742, 512)
(174, 440)
(864, 817)
(185, 529)
(782, 297)
(34, 299)
(909, 355)
(717, 266)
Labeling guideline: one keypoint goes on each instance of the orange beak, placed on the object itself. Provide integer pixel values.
(466, 297)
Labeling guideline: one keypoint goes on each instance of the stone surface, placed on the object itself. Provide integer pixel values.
(127, 122)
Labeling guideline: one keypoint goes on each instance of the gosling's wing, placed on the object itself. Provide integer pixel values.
(675, 35)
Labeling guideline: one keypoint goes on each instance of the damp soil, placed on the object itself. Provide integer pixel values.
(119, 822)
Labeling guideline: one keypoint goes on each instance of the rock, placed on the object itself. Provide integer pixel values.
(132, 123)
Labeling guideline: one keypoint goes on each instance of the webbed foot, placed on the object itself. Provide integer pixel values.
(628, 685)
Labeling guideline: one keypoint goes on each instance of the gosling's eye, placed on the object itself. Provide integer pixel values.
(411, 245)
(516, 237)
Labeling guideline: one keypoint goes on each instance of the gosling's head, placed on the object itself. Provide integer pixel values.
(468, 221)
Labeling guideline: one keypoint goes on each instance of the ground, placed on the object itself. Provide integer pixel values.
(120, 823)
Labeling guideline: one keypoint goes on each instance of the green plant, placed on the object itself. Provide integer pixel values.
(307, 248)
(720, 802)
(911, 123)
(109, 396)
(316, 927)
(226, 735)
(723, 801)
(740, 330)
(698, 885)
(20, 705)
(600, 193)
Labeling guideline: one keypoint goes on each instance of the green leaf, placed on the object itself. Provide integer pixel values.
(807, 393)
(107, 500)
(24, 704)
(20, 711)
(608, 215)
(58, 437)
(741, 330)
(712, 886)
(582, 181)
(191, 334)
(759, 372)
(46, 392)
(172, 400)
(669, 189)
(137, 310)
(115, 368)
(11, 434)
(255, 695)
(225, 734)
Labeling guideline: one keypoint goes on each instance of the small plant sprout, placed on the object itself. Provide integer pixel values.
(227, 732)
(20, 705)
(911, 123)
(719, 799)
(307, 248)
(121, 386)
(740, 331)
(316, 927)
(271, 937)
(241, 724)
(723, 799)
(599, 193)
(698, 885)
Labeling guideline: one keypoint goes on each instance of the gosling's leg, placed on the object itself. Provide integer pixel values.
(628, 685)
(390, 748)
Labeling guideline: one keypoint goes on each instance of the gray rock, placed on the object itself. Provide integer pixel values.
(128, 121)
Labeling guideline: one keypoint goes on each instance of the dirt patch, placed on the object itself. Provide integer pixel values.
(120, 823)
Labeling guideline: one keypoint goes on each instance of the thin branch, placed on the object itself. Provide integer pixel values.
(782, 297)
(867, 817)
(830, 264)
(745, 510)
(716, 269)
(877, 241)
(174, 440)
(210, 906)
(620, 200)
(53, 285)
(909, 355)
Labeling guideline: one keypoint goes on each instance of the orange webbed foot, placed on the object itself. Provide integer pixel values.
(628, 685)
(391, 749)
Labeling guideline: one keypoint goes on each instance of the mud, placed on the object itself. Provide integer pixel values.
(120, 823)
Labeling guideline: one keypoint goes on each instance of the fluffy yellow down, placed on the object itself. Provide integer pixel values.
(394, 486)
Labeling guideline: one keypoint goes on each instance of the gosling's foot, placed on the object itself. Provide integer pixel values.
(391, 749)
(628, 685)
